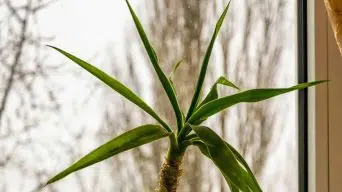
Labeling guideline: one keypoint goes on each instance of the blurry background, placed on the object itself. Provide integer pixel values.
(52, 112)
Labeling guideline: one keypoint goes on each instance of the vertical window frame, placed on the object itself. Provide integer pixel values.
(302, 74)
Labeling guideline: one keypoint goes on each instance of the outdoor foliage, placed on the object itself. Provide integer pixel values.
(189, 132)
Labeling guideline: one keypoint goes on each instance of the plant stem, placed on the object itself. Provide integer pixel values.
(170, 171)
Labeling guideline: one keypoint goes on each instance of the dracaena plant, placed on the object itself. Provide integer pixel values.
(189, 131)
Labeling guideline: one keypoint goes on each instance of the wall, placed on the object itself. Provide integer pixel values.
(326, 102)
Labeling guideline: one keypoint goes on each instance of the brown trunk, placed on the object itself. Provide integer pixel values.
(170, 173)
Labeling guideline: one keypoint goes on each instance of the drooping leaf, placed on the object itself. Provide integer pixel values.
(154, 60)
(128, 140)
(253, 95)
(205, 63)
(115, 85)
(224, 158)
(203, 148)
(232, 187)
(241, 161)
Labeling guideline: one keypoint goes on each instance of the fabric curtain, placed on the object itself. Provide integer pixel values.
(334, 9)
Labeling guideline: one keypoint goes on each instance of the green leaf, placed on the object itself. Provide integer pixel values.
(154, 60)
(128, 140)
(203, 148)
(115, 85)
(171, 79)
(233, 171)
(242, 161)
(173, 87)
(253, 95)
(205, 63)
(175, 67)
(213, 93)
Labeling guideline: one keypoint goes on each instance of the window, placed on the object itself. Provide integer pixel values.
(55, 106)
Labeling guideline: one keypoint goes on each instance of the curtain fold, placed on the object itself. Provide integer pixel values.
(334, 9)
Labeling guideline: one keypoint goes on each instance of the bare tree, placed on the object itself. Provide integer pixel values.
(256, 65)
(129, 117)
(27, 96)
(257, 125)
(179, 30)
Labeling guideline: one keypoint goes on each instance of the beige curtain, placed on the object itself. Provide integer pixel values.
(334, 8)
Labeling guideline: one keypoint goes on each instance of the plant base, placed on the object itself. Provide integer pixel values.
(170, 173)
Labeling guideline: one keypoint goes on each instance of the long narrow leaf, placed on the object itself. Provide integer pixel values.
(175, 67)
(171, 79)
(253, 95)
(154, 60)
(224, 158)
(172, 84)
(213, 93)
(241, 160)
(205, 63)
(203, 148)
(115, 85)
(128, 140)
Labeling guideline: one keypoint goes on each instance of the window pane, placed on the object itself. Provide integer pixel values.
(53, 112)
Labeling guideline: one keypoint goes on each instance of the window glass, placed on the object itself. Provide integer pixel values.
(52, 112)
